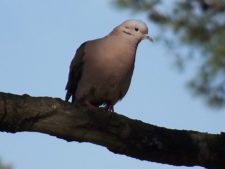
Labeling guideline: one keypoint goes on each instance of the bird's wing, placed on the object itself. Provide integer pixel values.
(75, 72)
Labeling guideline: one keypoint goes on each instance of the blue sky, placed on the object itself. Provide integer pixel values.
(38, 40)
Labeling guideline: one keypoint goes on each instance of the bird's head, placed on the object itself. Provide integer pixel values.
(133, 29)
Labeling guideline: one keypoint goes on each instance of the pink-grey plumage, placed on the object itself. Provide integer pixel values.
(101, 70)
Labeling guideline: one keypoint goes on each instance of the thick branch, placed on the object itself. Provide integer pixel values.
(116, 132)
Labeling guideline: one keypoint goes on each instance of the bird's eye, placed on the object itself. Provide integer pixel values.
(136, 29)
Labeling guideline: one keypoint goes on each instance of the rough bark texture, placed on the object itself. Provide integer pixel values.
(118, 133)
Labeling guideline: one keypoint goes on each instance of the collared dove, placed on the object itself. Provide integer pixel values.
(101, 71)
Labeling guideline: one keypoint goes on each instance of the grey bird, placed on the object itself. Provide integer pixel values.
(101, 70)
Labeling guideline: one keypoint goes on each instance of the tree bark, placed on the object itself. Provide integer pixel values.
(116, 132)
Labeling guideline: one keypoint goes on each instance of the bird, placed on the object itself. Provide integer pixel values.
(101, 70)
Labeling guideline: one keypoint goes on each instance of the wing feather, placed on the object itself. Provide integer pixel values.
(75, 72)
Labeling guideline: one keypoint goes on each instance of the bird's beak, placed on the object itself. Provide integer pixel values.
(148, 37)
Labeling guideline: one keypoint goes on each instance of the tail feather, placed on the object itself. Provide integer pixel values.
(68, 95)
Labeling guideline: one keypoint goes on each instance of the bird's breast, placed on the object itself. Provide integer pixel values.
(111, 58)
(108, 70)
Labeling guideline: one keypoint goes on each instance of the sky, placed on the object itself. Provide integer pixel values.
(38, 39)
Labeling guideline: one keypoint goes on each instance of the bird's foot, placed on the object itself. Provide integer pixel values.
(110, 107)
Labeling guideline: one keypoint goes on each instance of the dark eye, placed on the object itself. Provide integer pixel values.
(136, 29)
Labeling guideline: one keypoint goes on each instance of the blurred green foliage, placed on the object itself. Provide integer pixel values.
(199, 26)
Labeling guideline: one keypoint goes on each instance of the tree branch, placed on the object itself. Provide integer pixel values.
(116, 132)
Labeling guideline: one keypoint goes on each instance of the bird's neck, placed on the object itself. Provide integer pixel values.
(123, 38)
(123, 47)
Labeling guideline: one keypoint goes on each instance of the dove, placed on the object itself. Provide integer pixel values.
(101, 70)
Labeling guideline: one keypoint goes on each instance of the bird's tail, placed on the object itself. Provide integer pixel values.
(68, 95)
